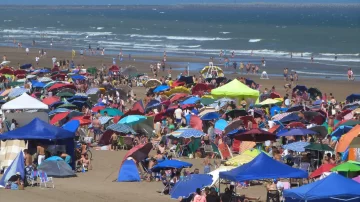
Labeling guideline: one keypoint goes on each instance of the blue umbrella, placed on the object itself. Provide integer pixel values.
(152, 104)
(297, 131)
(168, 164)
(186, 133)
(132, 119)
(45, 71)
(15, 92)
(37, 84)
(78, 77)
(59, 110)
(210, 116)
(161, 88)
(104, 119)
(189, 184)
(291, 117)
(317, 102)
(121, 128)
(77, 97)
(25, 66)
(72, 125)
(341, 130)
(296, 146)
(221, 124)
(190, 101)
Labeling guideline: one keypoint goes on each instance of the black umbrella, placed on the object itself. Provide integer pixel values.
(321, 130)
(314, 92)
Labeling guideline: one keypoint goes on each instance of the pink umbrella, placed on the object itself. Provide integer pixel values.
(139, 152)
(357, 179)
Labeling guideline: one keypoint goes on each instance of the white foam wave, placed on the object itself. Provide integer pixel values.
(318, 73)
(115, 43)
(254, 40)
(224, 32)
(185, 38)
(195, 46)
(334, 54)
(137, 29)
(155, 40)
(7, 20)
(52, 32)
(100, 28)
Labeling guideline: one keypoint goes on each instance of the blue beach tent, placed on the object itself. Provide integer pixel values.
(16, 166)
(168, 164)
(128, 172)
(56, 167)
(330, 189)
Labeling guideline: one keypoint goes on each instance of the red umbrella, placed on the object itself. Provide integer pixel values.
(7, 71)
(84, 120)
(58, 117)
(139, 152)
(322, 169)
(196, 122)
(177, 83)
(97, 108)
(342, 114)
(61, 85)
(200, 89)
(274, 129)
(246, 120)
(19, 71)
(178, 96)
(255, 135)
(55, 69)
(116, 119)
(296, 125)
(274, 95)
(50, 100)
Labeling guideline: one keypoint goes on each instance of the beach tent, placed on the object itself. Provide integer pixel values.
(9, 151)
(235, 89)
(168, 164)
(16, 166)
(56, 167)
(24, 101)
(215, 173)
(262, 167)
(330, 189)
(346, 139)
(128, 172)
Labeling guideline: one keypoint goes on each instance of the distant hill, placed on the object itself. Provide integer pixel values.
(159, 2)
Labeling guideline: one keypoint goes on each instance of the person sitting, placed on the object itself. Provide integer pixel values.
(14, 181)
(65, 156)
(86, 163)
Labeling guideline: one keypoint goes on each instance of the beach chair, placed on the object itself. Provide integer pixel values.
(44, 179)
(273, 196)
(34, 177)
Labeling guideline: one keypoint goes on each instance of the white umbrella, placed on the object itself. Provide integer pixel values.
(5, 63)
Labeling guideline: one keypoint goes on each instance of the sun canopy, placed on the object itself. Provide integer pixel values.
(24, 101)
(332, 188)
(38, 129)
(235, 89)
(262, 167)
(168, 164)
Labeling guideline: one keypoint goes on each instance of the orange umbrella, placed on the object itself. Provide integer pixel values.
(58, 117)
(274, 128)
(84, 120)
(322, 169)
(246, 145)
(346, 139)
(51, 100)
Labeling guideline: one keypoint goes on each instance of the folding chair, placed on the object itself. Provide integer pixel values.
(34, 177)
(273, 196)
(44, 179)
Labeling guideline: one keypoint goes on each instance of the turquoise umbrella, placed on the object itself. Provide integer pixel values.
(132, 119)
(111, 112)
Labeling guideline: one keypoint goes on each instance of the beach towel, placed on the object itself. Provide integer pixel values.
(9, 150)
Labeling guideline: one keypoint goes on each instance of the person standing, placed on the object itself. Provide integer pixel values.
(37, 60)
(53, 60)
(28, 166)
(27, 51)
(40, 150)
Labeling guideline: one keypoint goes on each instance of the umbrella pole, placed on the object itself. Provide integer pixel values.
(219, 186)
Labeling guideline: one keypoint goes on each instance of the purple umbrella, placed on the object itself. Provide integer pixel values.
(357, 179)
(297, 131)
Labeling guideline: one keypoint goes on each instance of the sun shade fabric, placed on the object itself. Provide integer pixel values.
(24, 101)
(235, 89)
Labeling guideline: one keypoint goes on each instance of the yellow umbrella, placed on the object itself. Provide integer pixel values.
(269, 101)
(178, 89)
(207, 96)
(246, 145)
(243, 158)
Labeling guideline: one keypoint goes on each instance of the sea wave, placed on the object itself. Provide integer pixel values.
(254, 40)
(335, 54)
(319, 73)
(185, 38)
(224, 32)
(52, 32)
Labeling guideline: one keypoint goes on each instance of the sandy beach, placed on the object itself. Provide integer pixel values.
(96, 185)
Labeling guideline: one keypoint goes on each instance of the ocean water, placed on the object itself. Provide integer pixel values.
(259, 31)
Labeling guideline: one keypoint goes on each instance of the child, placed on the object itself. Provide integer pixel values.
(207, 164)
(169, 72)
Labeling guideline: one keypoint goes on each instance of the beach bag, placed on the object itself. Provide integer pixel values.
(14, 186)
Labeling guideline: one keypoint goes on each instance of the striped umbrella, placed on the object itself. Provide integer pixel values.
(104, 119)
(278, 117)
(186, 133)
(296, 146)
(45, 79)
(17, 92)
(92, 91)
(81, 94)
(121, 128)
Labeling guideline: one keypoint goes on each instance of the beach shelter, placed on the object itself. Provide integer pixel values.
(56, 167)
(128, 172)
(270, 101)
(330, 189)
(243, 158)
(16, 166)
(262, 167)
(187, 185)
(169, 164)
(235, 89)
(346, 139)
(24, 101)
(215, 173)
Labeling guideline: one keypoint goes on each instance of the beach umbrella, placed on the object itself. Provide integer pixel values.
(15, 92)
(349, 123)
(152, 104)
(190, 101)
(161, 88)
(221, 124)
(170, 164)
(296, 125)
(71, 126)
(322, 169)
(346, 167)
(58, 110)
(319, 147)
(269, 101)
(67, 106)
(58, 117)
(65, 94)
(92, 91)
(29, 76)
(207, 101)
(50, 100)
(78, 77)
(255, 135)
(186, 133)
(25, 66)
(111, 112)
(296, 146)
(233, 126)
(179, 89)
(297, 131)
(121, 128)
(290, 118)
(177, 96)
(210, 116)
(37, 84)
(355, 143)
(357, 179)
(353, 97)
(338, 132)
(104, 119)
(152, 83)
(278, 117)
(188, 185)
(320, 130)
(132, 119)
(235, 113)
(45, 79)
(139, 152)
(300, 88)
(7, 70)
(84, 120)
(314, 92)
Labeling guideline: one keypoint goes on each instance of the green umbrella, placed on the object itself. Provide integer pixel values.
(91, 70)
(67, 106)
(319, 147)
(350, 123)
(355, 143)
(111, 112)
(354, 162)
(207, 101)
(15, 83)
(64, 94)
(346, 167)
